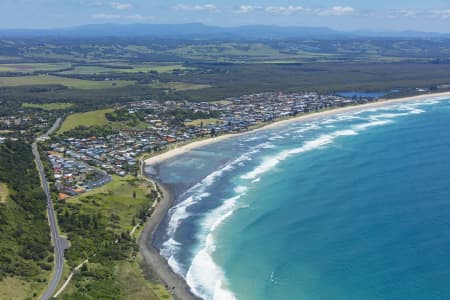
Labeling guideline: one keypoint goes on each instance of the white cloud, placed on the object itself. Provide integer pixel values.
(120, 6)
(444, 14)
(204, 7)
(138, 17)
(91, 3)
(122, 17)
(247, 8)
(106, 16)
(404, 13)
(296, 9)
(336, 11)
(285, 10)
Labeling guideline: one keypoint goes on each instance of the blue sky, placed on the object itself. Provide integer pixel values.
(423, 15)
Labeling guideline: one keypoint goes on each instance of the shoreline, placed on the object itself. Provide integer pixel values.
(158, 158)
(158, 263)
(175, 284)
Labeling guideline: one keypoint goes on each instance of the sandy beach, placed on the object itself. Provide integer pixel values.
(174, 282)
(151, 254)
(306, 117)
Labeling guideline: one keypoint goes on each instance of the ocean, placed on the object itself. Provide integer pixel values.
(350, 206)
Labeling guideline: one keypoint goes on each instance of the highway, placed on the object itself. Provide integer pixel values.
(60, 243)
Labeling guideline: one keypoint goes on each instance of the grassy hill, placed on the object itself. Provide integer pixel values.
(99, 223)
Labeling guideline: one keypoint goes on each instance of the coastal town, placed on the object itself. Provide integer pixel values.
(82, 163)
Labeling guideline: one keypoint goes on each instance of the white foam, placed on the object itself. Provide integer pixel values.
(364, 126)
(240, 189)
(388, 116)
(271, 162)
(276, 137)
(307, 128)
(198, 192)
(256, 180)
(222, 213)
(204, 276)
(254, 138)
(269, 146)
(180, 212)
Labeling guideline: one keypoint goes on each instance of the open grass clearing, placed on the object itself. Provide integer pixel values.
(33, 67)
(90, 118)
(49, 106)
(123, 197)
(223, 102)
(111, 68)
(135, 286)
(180, 86)
(4, 192)
(97, 118)
(36, 80)
(200, 121)
(14, 288)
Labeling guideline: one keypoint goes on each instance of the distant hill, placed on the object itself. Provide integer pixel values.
(201, 31)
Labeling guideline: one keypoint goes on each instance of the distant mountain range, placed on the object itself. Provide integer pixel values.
(201, 31)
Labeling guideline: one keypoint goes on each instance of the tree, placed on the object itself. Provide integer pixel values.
(84, 268)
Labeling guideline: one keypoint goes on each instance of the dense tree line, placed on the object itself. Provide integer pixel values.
(25, 248)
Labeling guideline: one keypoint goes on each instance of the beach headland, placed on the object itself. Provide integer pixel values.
(151, 254)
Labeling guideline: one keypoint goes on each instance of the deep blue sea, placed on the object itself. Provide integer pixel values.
(352, 206)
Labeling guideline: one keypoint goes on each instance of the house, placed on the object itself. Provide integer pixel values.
(62, 196)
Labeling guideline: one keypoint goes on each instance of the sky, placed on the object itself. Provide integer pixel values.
(379, 15)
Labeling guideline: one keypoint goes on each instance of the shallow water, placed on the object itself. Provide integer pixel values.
(353, 206)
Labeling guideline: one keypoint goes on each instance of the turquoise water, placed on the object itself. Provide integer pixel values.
(354, 206)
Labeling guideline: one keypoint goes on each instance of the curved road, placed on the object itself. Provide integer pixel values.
(60, 243)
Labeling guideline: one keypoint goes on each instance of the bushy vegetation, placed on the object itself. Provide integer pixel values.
(25, 249)
(98, 225)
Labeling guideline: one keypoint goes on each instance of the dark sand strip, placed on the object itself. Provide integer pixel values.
(175, 283)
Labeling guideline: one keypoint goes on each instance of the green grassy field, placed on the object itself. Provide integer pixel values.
(55, 80)
(91, 118)
(87, 70)
(123, 68)
(16, 288)
(224, 102)
(119, 202)
(231, 52)
(180, 86)
(199, 121)
(135, 286)
(116, 198)
(97, 118)
(32, 67)
(3, 192)
(49, 106)
(158, 68)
